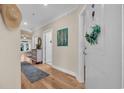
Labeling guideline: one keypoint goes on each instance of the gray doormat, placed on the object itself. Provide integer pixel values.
(32, 73)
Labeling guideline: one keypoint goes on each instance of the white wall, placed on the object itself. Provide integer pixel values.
(9, 57)
(104, 61)
(65, 58)
(113, 32)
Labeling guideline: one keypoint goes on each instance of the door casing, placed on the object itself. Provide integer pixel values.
(44, 46)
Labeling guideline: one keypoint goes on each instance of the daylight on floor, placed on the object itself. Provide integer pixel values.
(61, 46)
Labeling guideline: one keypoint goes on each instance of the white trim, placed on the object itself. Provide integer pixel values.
(80, 52)
(26, 29)
(62, 27)
(64, 70)
(122, 46)
(67, 71)
(53, 20)
(43, 42)
(49, 63)
(48, 30)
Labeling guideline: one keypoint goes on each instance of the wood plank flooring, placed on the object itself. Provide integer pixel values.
(56, 80)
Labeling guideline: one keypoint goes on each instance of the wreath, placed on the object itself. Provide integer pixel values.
(92, 38)
(39, 42)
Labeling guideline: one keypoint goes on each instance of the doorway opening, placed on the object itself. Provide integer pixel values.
(81, 47)
(47, 46)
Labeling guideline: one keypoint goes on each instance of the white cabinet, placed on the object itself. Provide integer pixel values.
(37, 55)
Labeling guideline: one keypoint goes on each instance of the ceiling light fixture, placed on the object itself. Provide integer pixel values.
(25, 23)
(24, 37)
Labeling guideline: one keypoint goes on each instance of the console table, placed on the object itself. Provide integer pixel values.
(37, 56)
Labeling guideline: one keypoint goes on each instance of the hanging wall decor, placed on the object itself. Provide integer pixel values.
(92, 37)
(95, 30)
(62, 37)
(39, 43)
(93, 12)
(11, 15)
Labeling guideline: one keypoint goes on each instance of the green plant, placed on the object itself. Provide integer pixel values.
(92, 38)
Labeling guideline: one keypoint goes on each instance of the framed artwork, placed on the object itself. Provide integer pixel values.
(62, 37)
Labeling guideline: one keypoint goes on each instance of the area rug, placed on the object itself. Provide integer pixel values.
(32, 73)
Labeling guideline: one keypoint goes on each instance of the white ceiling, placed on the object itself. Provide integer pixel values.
(38, 14)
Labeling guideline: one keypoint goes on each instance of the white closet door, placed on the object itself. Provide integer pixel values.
(48, 47)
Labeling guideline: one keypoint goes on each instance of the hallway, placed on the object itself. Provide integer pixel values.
(77, 46)
(56, 79)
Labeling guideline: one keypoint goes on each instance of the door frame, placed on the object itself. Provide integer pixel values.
(44, 45)
(122, 46)
(81, 63)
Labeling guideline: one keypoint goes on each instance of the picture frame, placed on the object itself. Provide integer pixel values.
(62, 37)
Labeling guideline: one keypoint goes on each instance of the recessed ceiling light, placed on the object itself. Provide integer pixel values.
(24, 37)
(25, 23)
(45, 4)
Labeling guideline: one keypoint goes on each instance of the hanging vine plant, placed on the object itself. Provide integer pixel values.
(92, 38)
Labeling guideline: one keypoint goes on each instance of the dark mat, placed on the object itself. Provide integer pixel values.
(32, 73)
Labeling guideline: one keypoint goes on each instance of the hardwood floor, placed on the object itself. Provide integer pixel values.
(56, 80)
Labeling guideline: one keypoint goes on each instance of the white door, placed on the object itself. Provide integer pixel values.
(48, 47)
(103, 61)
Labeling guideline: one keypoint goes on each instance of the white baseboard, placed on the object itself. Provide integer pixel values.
(79, 79)
(64, 70)
(67, 71)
